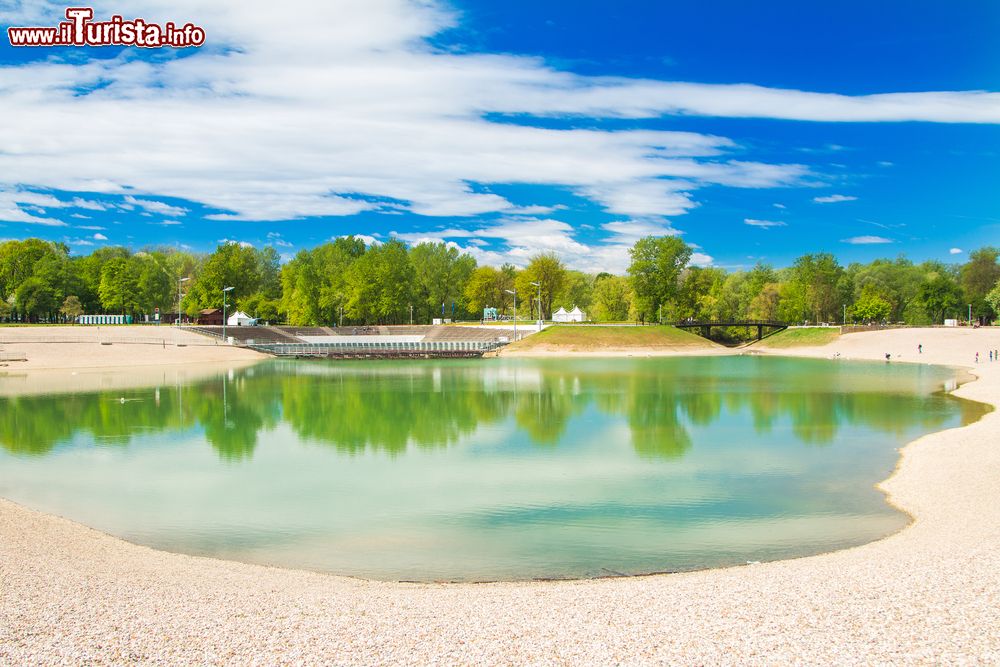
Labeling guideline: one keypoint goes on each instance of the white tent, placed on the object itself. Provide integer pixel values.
(575, 315)
(241, 319)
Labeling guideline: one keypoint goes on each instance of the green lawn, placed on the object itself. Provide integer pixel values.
(802, 337)
(590, 338)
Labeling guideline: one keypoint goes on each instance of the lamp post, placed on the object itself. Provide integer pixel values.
(539, 286)
(845, 314)
(180, 281)
(225, 292)
(514, 292)
(970, 314)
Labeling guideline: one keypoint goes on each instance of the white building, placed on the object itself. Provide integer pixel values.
(241, 319)
(575, 315)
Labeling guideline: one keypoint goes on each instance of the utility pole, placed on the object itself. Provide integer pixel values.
(514, 292)
(539, 286)
(225, 293)
(179, 281)
(411, 314)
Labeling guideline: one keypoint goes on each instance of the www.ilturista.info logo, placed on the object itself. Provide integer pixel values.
(80, 30)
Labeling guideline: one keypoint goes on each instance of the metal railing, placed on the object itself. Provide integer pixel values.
(374, 348)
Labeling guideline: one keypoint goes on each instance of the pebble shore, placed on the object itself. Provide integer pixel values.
(929, 594)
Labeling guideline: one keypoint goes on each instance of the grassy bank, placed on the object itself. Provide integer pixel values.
(801, 337)
(569, 338)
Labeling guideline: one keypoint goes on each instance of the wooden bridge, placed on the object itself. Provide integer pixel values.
(706, 327)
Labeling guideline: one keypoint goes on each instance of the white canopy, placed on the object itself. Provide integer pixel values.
(240, 319)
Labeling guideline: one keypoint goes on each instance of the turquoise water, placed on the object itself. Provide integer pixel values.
(483, 469)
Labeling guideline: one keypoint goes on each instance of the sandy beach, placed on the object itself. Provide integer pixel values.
(78, 347)
(927, 595)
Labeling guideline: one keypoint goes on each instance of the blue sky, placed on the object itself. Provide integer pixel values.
(757, 131)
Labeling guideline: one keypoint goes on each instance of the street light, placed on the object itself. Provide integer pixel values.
(179, 281)
(510, 291)
(225, 291)
(539, 286)
(970, 314)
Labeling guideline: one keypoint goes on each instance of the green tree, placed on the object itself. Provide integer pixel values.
(978, 276)
(71, 308)
(35, 299)
(19, 260)
(612, 299)
(993, 297)
(119, 286)
(380, 284)
(939, 295)
(817, 278)
(442, 273)
(655, 270)
(547, 270)
(871, 306)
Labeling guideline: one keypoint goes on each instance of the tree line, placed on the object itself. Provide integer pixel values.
(350, 282)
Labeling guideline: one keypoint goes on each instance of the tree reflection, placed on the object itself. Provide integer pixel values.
(389, 407)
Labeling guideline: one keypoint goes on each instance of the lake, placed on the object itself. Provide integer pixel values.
(493, 469)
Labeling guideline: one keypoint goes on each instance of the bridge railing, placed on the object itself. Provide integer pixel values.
(728, 323)
(379, 347)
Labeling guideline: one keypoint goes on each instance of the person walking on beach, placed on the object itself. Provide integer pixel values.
(977, 357)
(920, 348)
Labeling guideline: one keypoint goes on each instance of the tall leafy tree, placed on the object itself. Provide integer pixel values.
(442, 273)
(380, 284)
(119, 287)
(549, 272)
(657, 262)
(978, 276)
(612, 298)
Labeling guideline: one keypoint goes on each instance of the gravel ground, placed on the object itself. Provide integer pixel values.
(927, 595)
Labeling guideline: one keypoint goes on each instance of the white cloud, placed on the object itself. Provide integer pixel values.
(79, 216)
(12, 200)
(260, 128)
(92, 228)
(152, 206)
(955, 251)
(100, 237)
(763, 224)
(833, 199)
(701, 259)
(88, 204)
(370, 119)
(781, 206)
(867, 240)
(517, 240)
(274, 238)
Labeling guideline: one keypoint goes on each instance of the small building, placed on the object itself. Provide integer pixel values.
(575, 315)
(210, 317)
(241, 319)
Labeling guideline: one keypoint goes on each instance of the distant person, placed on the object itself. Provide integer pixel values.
(920, 348)
(977, 357)
(887, 356)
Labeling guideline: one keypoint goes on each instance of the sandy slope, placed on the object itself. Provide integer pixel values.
(927, 595)
(73, 347)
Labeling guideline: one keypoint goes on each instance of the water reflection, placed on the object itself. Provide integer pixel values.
(390, 407)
